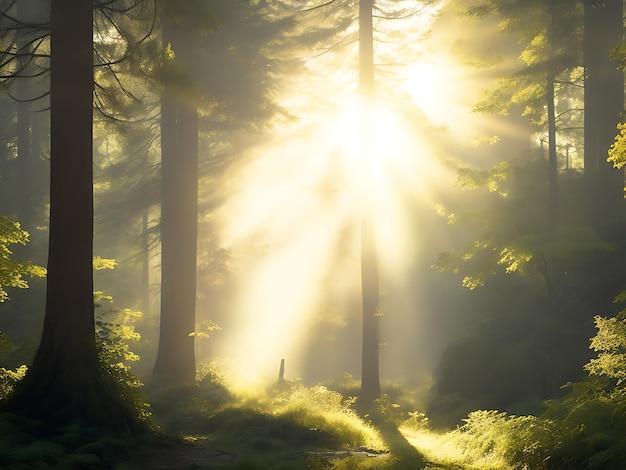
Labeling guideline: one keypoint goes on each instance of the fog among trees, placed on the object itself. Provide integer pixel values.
(289, 234)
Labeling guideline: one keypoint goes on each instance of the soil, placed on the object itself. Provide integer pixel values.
(181, 456)
(174, 456)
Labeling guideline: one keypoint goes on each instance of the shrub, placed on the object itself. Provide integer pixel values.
(9, 378)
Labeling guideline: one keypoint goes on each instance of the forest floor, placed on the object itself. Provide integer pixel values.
(175, 456)
(300, 428)
(183, 456)
(209, 426)
(198, 453)
(193, 456)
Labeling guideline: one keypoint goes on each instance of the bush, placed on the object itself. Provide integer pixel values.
(9, 378)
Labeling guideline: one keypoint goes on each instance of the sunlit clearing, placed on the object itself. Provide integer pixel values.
(446, 449)
(312, 414)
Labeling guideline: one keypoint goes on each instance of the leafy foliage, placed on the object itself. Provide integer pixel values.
(5, 344)
(617, 152)
(610, 343)
(582, 430)
(512, 233)
(9, 378)
(548, 45)
(492, 436)
(204, 329)
(103, 263)
(113, 338)
(12, 272)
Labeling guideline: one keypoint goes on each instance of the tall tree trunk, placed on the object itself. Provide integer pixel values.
(604, 103)
(25, 157)
(32, 126)
(370, 378)
(553, 169)
(65, 377)
(145, 263)
(179, 210)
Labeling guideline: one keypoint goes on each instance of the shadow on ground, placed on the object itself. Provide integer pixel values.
(403, 454)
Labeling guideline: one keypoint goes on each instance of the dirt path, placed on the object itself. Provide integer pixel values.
(173, 456)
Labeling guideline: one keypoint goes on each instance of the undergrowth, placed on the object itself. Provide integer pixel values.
(289, 426)
(32, 444)
(276, 426)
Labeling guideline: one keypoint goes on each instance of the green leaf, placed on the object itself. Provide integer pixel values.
(103, 263)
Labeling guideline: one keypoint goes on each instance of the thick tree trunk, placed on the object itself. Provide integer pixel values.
(64, 379)
(179, 212)
(604, 103)
(67, 349)
(370, 378)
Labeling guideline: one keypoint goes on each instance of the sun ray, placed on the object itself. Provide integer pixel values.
(292, 212)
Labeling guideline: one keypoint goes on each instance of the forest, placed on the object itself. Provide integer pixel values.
(312, 234)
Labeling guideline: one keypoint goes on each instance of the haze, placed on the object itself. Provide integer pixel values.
(371, 226)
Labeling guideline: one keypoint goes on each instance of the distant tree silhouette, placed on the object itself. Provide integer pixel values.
(604, 105)
(179, 197)
(370, 375)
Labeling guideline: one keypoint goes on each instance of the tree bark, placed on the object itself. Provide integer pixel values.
(179, 209)
(65, 380)
(68, 346)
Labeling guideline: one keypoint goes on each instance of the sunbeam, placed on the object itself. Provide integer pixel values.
(297, 200)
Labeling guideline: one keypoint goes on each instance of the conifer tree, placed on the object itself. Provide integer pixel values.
(604, 105)
(370, 375)
(179, 204)
(65, 380)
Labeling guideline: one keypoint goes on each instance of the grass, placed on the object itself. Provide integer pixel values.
(292, 427)
(277, 428)
(283, 428)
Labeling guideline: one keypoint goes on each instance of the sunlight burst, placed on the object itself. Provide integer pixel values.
(295, 208)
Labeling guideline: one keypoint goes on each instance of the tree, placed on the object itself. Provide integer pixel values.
(344, 33)
(179, 204)
(31, 118)
(604, 104)
(549, 32)
(24, 33)
(65, 379)
(514, 236)
(370, 376)
(202, 104)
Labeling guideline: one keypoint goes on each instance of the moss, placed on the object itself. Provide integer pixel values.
(96, 448)
(81, 461)
(40, 452)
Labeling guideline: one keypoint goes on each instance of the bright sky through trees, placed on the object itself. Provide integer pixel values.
(292, 216)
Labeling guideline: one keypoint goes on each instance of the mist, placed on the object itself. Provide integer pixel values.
(323, 234)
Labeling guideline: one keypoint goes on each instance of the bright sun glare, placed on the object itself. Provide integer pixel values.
(424, 82)
(294, 211)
